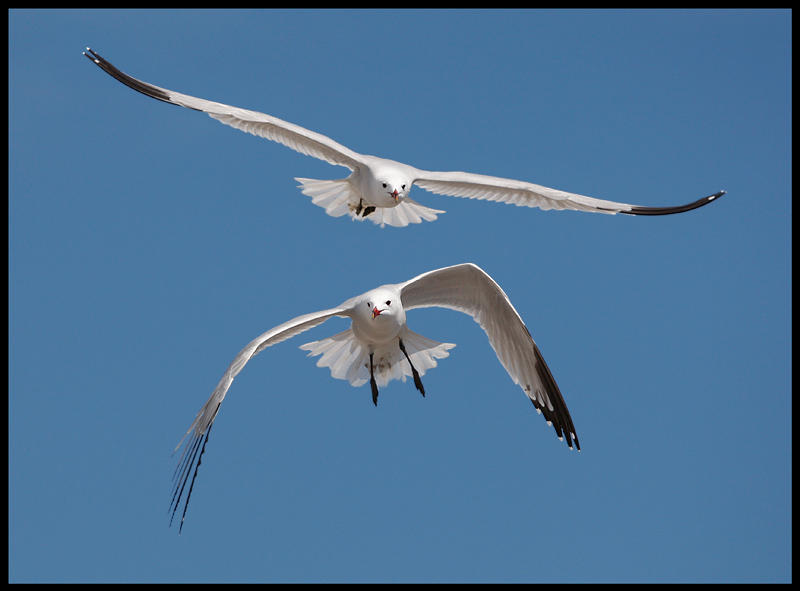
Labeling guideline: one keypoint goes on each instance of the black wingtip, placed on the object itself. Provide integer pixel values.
(129, 81)
(636, 210)
(558, 416)
(180, 477)
(577, 443)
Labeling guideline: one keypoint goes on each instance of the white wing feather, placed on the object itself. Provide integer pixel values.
(273, 336)
(520, 193)
(467, 288)
(201, 427)
(290, 135)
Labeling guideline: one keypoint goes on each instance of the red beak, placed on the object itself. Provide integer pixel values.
(375, 312)
(395, 194)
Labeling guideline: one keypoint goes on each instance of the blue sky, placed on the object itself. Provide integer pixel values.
(148, 244)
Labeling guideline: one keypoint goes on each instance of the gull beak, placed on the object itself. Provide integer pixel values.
(375, 312)
(395, 194)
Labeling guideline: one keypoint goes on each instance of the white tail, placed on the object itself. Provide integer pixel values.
(339, 198)
(336, 197)
(348, 359)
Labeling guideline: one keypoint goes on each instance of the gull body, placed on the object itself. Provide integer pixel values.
(377, 188)
(379, 347)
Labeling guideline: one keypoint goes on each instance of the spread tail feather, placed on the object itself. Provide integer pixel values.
(338, 198)
(348, 359)
(406, 212)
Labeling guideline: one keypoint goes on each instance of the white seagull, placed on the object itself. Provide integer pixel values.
(379, 347)
(378, 188)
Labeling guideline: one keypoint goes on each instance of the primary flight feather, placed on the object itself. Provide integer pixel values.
(379, 347)
(378, 189)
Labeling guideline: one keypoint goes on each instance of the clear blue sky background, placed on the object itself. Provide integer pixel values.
(148, 244)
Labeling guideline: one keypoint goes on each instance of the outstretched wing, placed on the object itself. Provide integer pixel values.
(478, 186)
(467, 288)
(290, 135)
(204, 420)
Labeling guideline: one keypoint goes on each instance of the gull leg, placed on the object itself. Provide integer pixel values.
(417, 381)
(372, 382)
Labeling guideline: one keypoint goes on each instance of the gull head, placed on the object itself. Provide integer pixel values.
(382, 305)
(386, 184)
(379, 316)
(383, 183)
(388, 191)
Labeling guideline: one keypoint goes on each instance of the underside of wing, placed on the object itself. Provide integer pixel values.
(467, 288)
(290, 135)
(520, 193)
(198, 433)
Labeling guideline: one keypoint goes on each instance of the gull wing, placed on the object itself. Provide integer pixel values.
(467, 288)
(292, 136)
(204, 420)
(478, 186)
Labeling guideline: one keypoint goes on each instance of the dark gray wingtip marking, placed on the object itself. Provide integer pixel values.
(129, 81)
(184, 468)
(677, 209)
(559, 417)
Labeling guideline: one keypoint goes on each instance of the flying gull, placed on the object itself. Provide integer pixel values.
(379, 347)
(378, 189)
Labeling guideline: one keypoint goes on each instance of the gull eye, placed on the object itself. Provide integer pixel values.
(388, 302)
(384, 185)
(369, 305)
(404, 187)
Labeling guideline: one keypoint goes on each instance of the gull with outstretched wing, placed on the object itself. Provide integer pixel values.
(379, 347)
(377, 188)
